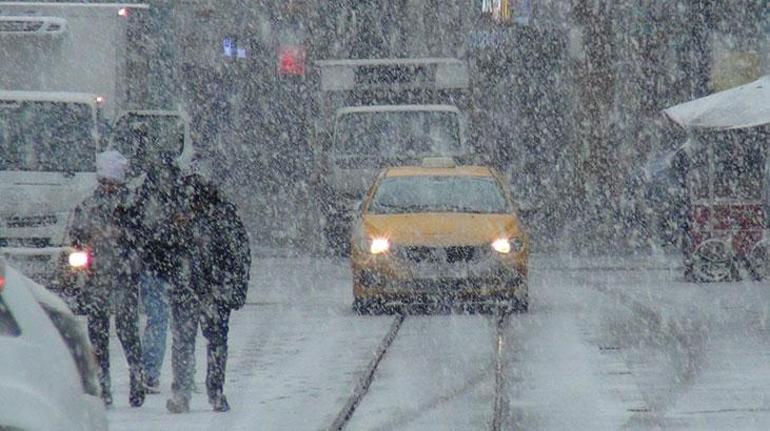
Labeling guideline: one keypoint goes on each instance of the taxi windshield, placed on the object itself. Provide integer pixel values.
(452, 194)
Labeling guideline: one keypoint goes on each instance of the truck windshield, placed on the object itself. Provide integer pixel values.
(141, 136)
(47, 136)
(420, 194)
(398, 134)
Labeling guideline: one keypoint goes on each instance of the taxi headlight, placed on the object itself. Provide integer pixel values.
(379, 245)
(505, 245)
(502, 245)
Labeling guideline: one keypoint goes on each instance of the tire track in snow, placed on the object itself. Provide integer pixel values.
(362, 387)
(501, 400)
(494, 367)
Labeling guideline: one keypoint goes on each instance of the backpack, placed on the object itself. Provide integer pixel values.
(236, 256)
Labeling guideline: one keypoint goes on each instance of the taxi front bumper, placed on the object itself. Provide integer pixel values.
(489, 277)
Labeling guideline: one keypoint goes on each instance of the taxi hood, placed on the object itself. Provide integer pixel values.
(441, 229)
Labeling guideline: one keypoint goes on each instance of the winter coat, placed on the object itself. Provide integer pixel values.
(100, 225)
(223, 258)
(232, 258)
(159, 216)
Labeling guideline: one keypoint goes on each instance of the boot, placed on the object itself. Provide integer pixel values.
(106, 391)
(219, 402)
(151, 385)
(178, 404)
(136, 392)
(107, 398)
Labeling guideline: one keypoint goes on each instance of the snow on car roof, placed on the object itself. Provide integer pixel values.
(419, 171)
(45, 96)
(397, 108)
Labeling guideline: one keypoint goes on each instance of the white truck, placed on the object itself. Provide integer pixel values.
(374, 113)
(67, 69)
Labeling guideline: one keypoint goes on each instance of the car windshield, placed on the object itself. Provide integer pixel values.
(392, 134)
(438, 194)
(47, 136)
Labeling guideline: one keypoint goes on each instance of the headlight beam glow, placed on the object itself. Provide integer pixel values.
(502, 246)
(379, 245)
(78, 259)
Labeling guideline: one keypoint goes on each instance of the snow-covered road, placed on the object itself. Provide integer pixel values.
(621, 345)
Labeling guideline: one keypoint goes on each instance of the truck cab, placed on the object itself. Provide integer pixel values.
(383, 112)
(367, 138)
(67, 69)
(48, 146)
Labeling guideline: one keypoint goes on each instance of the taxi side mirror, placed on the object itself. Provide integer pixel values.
(526, 205)
(526, 209)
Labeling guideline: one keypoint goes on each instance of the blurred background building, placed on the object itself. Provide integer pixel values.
(569, 92)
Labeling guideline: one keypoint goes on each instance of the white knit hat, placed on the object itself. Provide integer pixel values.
(111, 166)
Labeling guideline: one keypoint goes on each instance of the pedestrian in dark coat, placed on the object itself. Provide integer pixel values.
(159, 214)
(101, 229)
(220, 281)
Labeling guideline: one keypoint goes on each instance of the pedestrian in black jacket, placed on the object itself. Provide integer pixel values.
(220, 281)
(100, 228)
(159, 213)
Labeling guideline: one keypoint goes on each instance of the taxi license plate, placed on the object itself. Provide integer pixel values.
(435, 272)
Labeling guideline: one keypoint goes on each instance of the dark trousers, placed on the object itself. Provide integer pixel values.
(184, 327)
(215, 323)
(126, 305)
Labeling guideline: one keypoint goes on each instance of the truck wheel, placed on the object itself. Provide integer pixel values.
(363, 307)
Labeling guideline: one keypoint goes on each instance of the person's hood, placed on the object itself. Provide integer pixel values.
(111, 166)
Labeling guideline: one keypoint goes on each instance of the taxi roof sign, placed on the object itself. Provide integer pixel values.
(438, 162)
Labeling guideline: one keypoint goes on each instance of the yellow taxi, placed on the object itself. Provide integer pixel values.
(439, 234)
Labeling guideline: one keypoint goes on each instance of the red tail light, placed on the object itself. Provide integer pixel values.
(291, 60)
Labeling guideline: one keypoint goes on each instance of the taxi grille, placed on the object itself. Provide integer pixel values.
(460, 254)
(455, 254)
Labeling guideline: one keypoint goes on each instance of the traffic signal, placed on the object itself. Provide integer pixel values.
(291, 60)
